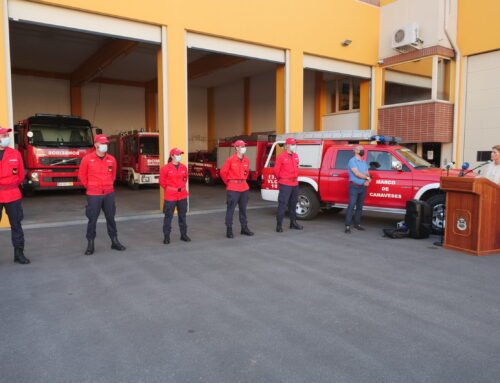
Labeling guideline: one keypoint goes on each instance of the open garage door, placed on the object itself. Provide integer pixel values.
(30, 12)
(69, 69)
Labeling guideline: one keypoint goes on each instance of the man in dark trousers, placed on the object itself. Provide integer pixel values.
(286, 171)
(11, 176)
(359, 180)
(173, 179)
(234, 173)
(97, 173)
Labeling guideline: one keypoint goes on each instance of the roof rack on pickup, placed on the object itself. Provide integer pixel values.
(349, 135)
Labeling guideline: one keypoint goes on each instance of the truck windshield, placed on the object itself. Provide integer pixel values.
(413, 159)
(61, 135)
(149, 146)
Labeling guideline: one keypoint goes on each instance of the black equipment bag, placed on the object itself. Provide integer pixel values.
(418, 219)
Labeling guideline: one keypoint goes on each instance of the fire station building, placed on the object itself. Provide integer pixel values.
(427, 71)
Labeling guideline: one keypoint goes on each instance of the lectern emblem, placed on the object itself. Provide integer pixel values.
(461, 223)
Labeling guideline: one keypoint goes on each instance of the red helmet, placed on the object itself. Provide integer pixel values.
(290, 141)
(239, 143)
(5, 130)
(101, 138)
(176, 152)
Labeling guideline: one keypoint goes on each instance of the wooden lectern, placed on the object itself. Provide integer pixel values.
(472, 215)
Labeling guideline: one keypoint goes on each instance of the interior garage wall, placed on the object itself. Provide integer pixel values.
(197, 118)
(228, 105)
(114, 108)
(33, 95)
(308, 115)
(263, 102)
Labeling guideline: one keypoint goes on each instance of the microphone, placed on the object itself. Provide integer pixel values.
(480, 166)
(465, 166)
(448, 166)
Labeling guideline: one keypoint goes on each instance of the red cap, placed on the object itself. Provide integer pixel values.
(5, 130)
(239, 143)
(176, 152)
(290, 141)
(101, 138)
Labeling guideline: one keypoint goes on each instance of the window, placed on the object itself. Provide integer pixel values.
(309, 156)
(133, 145)
(484, 155)
(149, 146)
(343, 157)
(383, 161)
(343, 95)
(443, 79)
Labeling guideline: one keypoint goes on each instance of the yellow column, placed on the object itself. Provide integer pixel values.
(319, 101)
(210, 119)
(76, 100)
(364, 105)
(4, 121)
(379, 93)
(161, 125)
(296, 91)
(280, 99)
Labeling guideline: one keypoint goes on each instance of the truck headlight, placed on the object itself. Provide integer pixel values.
(34, 176)
(145, 179)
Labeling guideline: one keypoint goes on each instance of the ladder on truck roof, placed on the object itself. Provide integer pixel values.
(345, 135)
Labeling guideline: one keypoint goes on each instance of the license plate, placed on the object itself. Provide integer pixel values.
(65, 184)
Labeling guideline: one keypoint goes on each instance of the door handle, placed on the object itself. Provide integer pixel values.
(335, 175)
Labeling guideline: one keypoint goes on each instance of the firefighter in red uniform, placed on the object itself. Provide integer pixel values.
(97, 173)
(286, 171)
(11, 176)
(173, 179)
(234, 173)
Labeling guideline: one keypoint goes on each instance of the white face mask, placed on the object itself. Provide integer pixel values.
(103, 148)
(178, 157)
(4, 142)
(293, 148)
(243, 149)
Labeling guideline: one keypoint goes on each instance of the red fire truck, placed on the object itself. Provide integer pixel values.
(202, 165)
(52, 147)
(398, 174)
(137, 157)
(258, 147)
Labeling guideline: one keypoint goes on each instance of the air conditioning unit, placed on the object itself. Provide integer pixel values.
(406, 38)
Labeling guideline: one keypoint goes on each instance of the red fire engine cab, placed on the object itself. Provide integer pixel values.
(52, 147)
(137, 157)
(398, 174)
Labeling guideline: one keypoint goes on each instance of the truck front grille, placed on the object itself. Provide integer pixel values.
(60, 161)
(61, 179)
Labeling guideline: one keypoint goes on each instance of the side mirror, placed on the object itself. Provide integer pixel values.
(98, 131)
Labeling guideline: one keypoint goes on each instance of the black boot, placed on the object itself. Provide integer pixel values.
(116, 245)
(295, 225)
(90, 247)
(279, 227)
(185, 238)
(246, 231)
(19, 256)
(229, 232)
(166, 239)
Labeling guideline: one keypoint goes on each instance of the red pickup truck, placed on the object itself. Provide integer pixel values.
(398, 175)
(202, 165)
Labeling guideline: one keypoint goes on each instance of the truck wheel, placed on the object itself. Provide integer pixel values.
(132, 184)
(307, 204)
(438, 208)
(208, 179)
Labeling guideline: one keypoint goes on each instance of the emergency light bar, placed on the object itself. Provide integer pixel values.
(55, 115)
(383, 140)
(347, 135)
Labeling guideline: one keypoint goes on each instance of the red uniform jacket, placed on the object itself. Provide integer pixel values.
(174, 181)
(235, 172)
(286, 169)
(11, 175)
(98, 175)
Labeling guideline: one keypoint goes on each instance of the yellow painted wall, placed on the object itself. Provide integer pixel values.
(478, 26)
(422, 67)
(385, 2)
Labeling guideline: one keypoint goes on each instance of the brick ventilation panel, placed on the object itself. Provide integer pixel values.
(430, 122)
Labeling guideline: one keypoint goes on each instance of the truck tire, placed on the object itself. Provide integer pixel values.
(131, 183)
(208, 179)
(308, 205)
(438, 208)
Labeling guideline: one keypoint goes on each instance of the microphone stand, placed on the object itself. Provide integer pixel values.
(441, 238)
